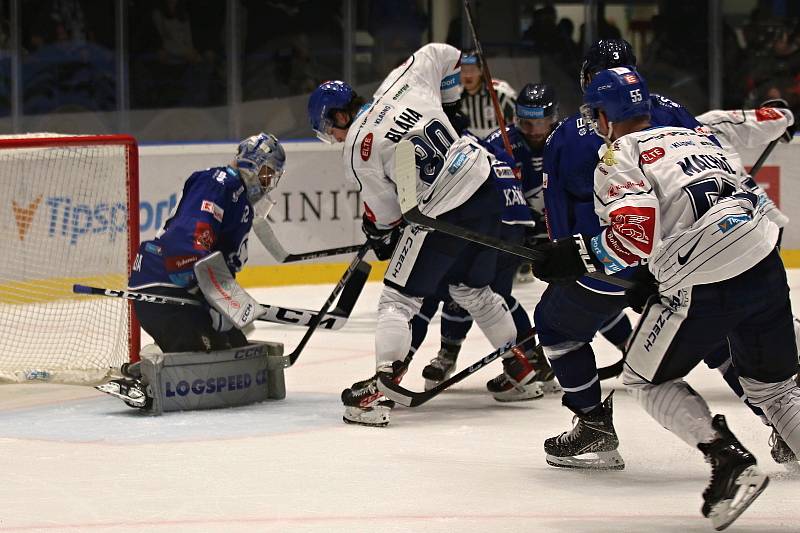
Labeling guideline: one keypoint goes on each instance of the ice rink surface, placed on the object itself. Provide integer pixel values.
(73, 459)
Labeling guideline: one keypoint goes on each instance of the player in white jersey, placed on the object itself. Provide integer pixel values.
(748, 129)
(413, 103)
(671, 198)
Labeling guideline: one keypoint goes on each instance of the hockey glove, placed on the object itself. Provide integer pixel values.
(382, 241)
(564, 261)
(458, 119)
(780, 103)
(644, 287)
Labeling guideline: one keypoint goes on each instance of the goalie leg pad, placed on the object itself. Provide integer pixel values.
(197, 380)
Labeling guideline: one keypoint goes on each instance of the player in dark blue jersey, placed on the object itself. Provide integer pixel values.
(215, 213)
(569, 316)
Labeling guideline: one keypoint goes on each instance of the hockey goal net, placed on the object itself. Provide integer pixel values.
(71, 213)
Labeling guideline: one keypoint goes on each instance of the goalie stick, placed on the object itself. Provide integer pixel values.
(358, 271)
(406, 180)
(264, 233)
(271, 313)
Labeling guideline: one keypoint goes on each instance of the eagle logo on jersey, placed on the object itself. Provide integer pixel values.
(636, 224)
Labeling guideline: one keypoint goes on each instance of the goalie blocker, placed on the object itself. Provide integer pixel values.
(187, 381)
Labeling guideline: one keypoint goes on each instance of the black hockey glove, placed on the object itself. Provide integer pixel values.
(644, 287)
(382, 241)
(564, 261)
(458, 119)
(536, 235)
(780, 103)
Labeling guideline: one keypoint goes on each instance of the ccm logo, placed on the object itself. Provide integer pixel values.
(652, 155)
(366, 147)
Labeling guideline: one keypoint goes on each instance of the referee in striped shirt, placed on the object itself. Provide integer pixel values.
(476, 103)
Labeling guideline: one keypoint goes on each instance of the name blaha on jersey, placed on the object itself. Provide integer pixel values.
(697, 163)
(404, 122)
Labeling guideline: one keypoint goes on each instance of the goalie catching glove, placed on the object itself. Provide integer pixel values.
(382, 241)
(564, 261)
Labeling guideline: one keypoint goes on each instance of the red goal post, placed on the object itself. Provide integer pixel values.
(71, 211)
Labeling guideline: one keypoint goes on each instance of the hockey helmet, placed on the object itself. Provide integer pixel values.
(330, 96)
(537, 100)
(605, 53)
(620, 92)
(470, 57)
(260, 160)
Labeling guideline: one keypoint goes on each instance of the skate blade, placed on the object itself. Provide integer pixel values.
(531, 391)
(752, 483)
(589, 461)
(373, 417)
(114, 390)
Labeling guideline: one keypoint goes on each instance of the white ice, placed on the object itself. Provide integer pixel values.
(73, 459)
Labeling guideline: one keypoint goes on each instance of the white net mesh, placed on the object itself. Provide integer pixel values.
(65, 210)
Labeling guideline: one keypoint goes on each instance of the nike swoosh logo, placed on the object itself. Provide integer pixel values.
(682, 259)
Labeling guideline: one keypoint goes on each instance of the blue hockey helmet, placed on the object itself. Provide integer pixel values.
(260, 160)
(327, 98)
(620, 92)
(537, 100)
(605, 53)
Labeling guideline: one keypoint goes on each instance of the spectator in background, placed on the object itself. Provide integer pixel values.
(178, 55)
(776, 68)
(397, 27)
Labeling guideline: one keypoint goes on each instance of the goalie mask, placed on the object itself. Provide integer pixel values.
(260, 160)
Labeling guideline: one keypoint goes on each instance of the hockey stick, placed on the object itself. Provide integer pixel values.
(762, 158)
(408, 398)
(264, 233)
(359, 271)
(271, 313)
(405, 179)
(487, 77)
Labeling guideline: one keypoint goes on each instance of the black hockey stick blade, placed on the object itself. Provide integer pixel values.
(312, 326)
(408, 398)
(352, 290)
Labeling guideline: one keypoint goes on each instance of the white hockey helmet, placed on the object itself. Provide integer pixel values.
(260, 160)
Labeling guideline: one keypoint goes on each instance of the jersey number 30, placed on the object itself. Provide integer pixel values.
(431, 149)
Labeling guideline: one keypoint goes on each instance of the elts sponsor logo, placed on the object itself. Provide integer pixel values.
(652, 155)
(210, 207)
(366, 147)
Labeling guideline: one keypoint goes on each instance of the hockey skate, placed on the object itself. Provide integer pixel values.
(521, 380)
(130, 391)
(525, 273)
(593, 437)
(365, 404)
(544, 372)
(442, 366)
(736, 481)
(782, 454)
